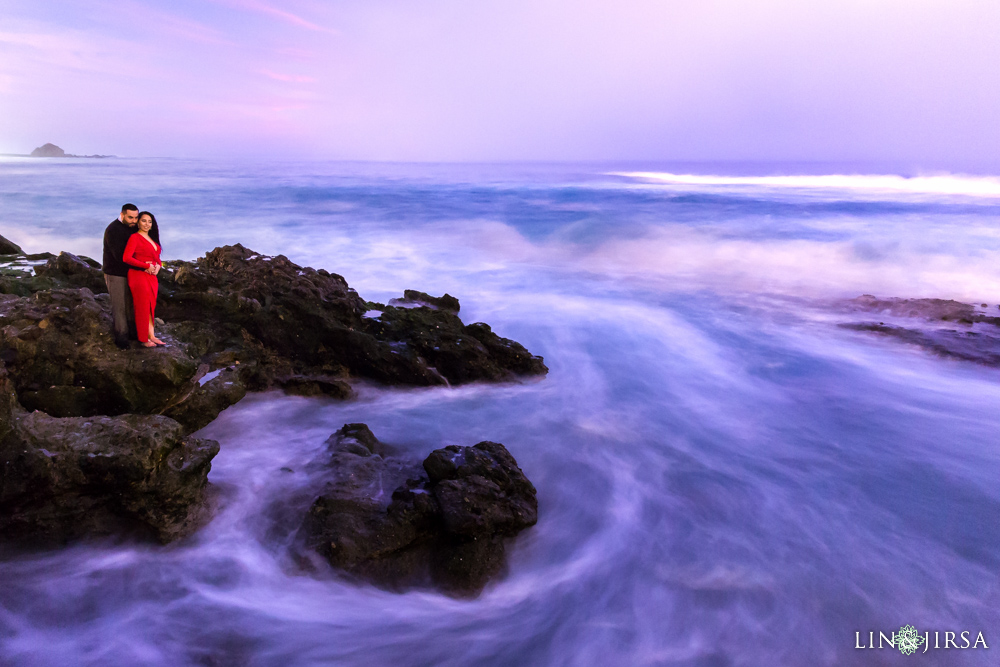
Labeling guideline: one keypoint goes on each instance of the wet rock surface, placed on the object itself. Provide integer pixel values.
(236, 321)
(400, 524)
(62, 360)
(945, 328)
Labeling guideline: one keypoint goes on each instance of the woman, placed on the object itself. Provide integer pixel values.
(143, 254)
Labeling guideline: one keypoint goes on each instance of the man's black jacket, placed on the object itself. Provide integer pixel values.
(115, 240)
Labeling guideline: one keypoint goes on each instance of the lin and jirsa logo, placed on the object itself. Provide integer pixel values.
(909, 641)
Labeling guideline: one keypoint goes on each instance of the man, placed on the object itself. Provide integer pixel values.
(116, 273)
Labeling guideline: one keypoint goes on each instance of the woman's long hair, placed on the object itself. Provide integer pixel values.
(154, 231)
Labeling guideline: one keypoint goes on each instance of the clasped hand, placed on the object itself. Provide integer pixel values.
(153, 269)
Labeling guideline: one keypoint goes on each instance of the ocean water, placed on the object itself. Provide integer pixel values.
(725, 476)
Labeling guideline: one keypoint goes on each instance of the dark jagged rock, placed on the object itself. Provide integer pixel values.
(67, 478)
(412, 298)
(929, 324)
(468, 482)
(48, 150)
(444, 524)
(9, 247)
(459, 353)
(73, 271)
(507, 354)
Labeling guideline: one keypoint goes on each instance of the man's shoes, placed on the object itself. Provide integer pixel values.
(121, 343)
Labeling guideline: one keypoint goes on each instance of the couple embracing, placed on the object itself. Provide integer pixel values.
(131, 262)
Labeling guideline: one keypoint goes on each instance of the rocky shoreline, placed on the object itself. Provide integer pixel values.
(95, 441)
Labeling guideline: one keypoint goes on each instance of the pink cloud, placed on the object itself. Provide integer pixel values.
(290, 78)
(288, 17)
(66, 49)
(296, 53)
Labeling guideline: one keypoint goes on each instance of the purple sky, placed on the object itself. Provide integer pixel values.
(909, 80)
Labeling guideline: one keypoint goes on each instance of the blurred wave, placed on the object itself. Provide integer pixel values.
(725, 476)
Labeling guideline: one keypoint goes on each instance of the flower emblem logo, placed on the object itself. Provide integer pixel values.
(908, 640)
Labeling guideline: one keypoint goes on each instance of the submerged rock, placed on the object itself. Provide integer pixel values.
(930, 309)
(443, 524)
(930, 324)
(971, 346)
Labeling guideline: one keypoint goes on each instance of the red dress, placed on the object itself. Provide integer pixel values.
(142, 253)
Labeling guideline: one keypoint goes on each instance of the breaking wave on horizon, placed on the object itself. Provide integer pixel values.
(938, 184)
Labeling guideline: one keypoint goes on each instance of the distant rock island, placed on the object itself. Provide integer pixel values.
(48, 150)
(51, 150)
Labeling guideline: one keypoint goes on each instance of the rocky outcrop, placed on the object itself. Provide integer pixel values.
(98, 438)
(399, 524)
(945, 328)
(270, 322)
(64, 478)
